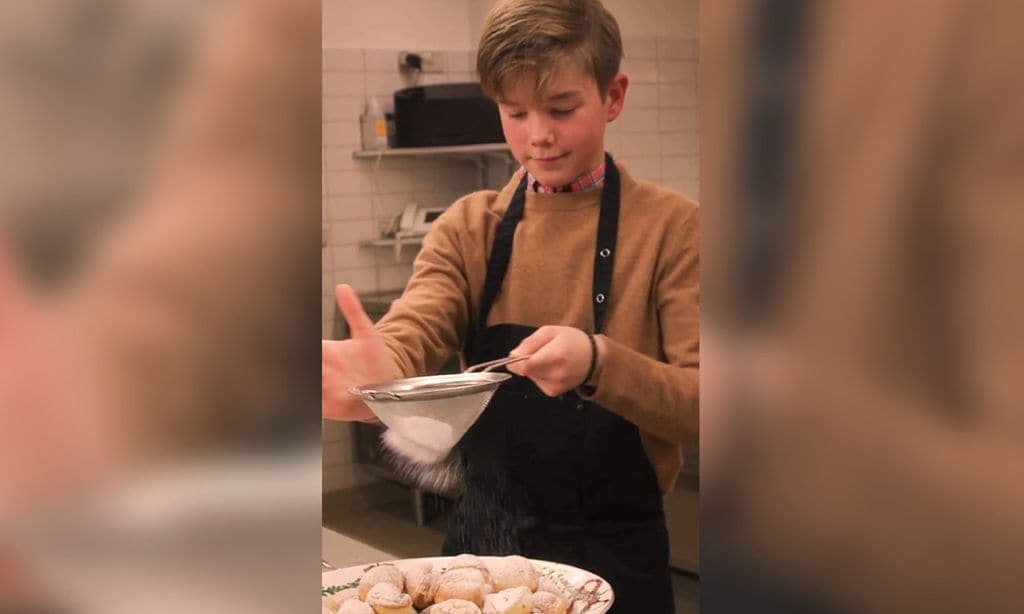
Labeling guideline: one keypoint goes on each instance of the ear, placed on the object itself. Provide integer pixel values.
(616, 96)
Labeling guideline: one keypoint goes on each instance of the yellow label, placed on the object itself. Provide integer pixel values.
(381, 127)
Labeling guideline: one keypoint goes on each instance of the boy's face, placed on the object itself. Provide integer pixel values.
(559, 135)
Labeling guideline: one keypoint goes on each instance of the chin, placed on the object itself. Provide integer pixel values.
(553, 178)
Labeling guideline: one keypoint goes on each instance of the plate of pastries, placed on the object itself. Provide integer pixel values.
(465, 584)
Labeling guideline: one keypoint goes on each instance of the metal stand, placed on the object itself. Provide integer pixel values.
(417, 505)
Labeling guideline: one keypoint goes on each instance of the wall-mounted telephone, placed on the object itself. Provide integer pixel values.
(414, 220)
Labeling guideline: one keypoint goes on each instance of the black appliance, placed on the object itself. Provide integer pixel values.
(445, 114)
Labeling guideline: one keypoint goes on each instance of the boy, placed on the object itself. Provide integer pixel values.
(589, 270)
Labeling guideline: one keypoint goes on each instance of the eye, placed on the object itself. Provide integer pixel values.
(562, 112)
(516, 114)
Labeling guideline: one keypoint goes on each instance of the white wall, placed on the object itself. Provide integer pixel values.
(455, 24)
(397, 24)
(662, 18)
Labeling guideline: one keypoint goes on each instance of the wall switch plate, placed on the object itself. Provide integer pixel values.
(432, 61)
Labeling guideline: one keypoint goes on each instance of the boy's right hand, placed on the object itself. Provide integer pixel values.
(363, 359)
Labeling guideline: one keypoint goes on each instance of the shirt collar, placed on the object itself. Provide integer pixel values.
(586, 180)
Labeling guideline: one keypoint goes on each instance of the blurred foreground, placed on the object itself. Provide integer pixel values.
(159, 306)
(863, 201)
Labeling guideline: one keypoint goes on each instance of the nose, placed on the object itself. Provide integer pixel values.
(541, 131)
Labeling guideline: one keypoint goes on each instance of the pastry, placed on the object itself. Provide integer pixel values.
(333, 602)
(511, 571)
(381, 573)
(463, 583)
(355, 606)
(465, 574)
(421, 580)
(466, 583)
(548, 603)
(518, 600)
(472, 561)
(464, 591)
(386, 598)
(455, 606)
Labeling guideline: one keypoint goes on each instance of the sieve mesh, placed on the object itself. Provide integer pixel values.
(431, 427)
(427, 416)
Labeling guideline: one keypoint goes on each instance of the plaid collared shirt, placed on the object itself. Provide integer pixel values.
(584, 181)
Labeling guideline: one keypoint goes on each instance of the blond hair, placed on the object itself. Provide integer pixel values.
(534, 38)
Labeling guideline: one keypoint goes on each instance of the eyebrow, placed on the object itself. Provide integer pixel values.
(566, 95)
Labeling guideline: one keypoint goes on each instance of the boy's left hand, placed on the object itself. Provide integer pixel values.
(560, 361)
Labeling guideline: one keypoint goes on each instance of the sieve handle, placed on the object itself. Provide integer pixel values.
(376, 395)
(484, 367)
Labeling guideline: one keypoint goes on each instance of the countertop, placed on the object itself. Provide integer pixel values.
(340, 550)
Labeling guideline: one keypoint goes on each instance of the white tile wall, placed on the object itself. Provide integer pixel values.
(655, 136)
(344, 83)
(677, 48)
(641, 70)
(361, 195)
(343, 60)
(682, 95)
(640, 47)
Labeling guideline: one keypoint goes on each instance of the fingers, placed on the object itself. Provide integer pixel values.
(337, 374)
(351, 307)
(345, 409)
(533, 343)
(343, 406)
(560, 358)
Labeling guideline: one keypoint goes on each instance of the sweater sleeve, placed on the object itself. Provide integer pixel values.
(428, 323)
(662, 396)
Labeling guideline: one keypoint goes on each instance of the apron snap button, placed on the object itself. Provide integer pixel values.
(579, 406)
(605, 252)
(599, 298)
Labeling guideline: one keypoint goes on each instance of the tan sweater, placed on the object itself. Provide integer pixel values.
(649, 372)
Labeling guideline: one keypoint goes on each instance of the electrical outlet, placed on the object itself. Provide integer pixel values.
(432, 61)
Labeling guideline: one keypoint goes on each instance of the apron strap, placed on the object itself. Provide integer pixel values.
(501, 251)
(607, 233)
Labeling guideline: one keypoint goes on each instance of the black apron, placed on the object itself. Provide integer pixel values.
(560, 478)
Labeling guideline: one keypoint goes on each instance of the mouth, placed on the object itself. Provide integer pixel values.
(548, 159)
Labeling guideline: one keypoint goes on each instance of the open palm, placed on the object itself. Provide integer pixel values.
(363, 359)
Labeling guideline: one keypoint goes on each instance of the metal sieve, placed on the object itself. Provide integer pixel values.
(426, 416)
